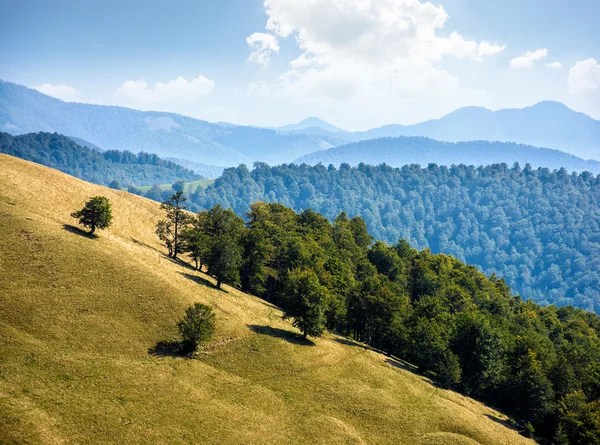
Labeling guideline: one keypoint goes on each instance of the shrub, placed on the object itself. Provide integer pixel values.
(197, 326)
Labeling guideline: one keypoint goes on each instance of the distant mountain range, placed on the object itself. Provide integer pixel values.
(400, 151)
(208, 145)
(24, 110)
(546, 124)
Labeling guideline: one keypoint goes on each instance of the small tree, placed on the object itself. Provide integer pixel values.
(96, 214)
(304, 301)
(177, 218)
(164, 230)
(197, 326)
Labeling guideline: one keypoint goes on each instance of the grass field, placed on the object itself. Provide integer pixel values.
(190, 187)
(78, 317)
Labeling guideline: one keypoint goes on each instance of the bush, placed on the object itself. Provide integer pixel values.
(197, 326)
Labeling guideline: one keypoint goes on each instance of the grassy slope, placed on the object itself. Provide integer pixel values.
(78, 316)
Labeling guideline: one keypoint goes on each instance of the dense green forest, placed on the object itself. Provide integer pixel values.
(465, 330)
(538, 229)
(117, 168)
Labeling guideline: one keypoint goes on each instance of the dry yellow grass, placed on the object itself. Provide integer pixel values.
(78, 316)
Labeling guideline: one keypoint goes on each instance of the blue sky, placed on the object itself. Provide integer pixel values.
(355, 63)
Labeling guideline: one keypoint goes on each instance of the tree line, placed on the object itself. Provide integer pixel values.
(115, 168)
(538, 229)
(463, 329)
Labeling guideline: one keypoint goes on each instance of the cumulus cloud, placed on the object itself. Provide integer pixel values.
(554, 65)
(138, 92)
(60, 91)
(584, 77)
(262, 45)
(527, 59)
(376, 53)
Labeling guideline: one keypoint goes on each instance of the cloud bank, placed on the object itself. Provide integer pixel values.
(138, 92)
(367, 54)
(59, 91)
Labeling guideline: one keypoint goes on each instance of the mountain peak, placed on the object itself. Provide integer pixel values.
(311, 122)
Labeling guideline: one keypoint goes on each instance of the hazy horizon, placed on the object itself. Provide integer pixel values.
(357, 65)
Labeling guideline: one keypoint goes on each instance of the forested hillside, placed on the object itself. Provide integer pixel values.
(465, 330)
(400, 151)
(538, 229)
(82, 318)
(122, 167)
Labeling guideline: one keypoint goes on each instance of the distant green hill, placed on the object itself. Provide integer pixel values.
(62, 153)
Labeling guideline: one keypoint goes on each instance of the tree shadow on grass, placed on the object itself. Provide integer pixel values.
(288, 336)
(170, 349)
(350, 342)
(507, 423)
(203, 281)
(143, 244)
(78, 231)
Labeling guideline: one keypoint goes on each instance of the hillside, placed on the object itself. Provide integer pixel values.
(400, 151)
(80, 315)
(546, 124)
(538, 229)
(23, 110)
(64, 154)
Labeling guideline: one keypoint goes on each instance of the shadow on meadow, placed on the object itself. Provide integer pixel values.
(203, 281)
(288, 336)
(78, 231)
(173, 348)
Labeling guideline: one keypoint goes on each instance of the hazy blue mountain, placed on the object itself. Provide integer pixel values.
(311, 125)
(400, 151)
(85, 143)
(205, 170)
(546, 124)
(23, 110)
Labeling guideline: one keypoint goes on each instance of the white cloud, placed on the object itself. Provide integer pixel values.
(584, 77)
(60, 91)
(527, 59)
(137, 92)
(584, 87)
(262, 45)
(376, 56)
(554, 65)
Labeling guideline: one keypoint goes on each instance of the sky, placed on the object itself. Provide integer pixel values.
(358, 64)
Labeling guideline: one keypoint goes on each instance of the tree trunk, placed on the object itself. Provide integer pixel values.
(93, 229)
(197, 265)
(305, 334)
(218, 284)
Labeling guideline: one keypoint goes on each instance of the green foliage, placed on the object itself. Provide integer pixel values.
(467, 331)
(106, 168)
(537, 229)
(169, 230)
(197, 326)
(305, 301)
(96, 214)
